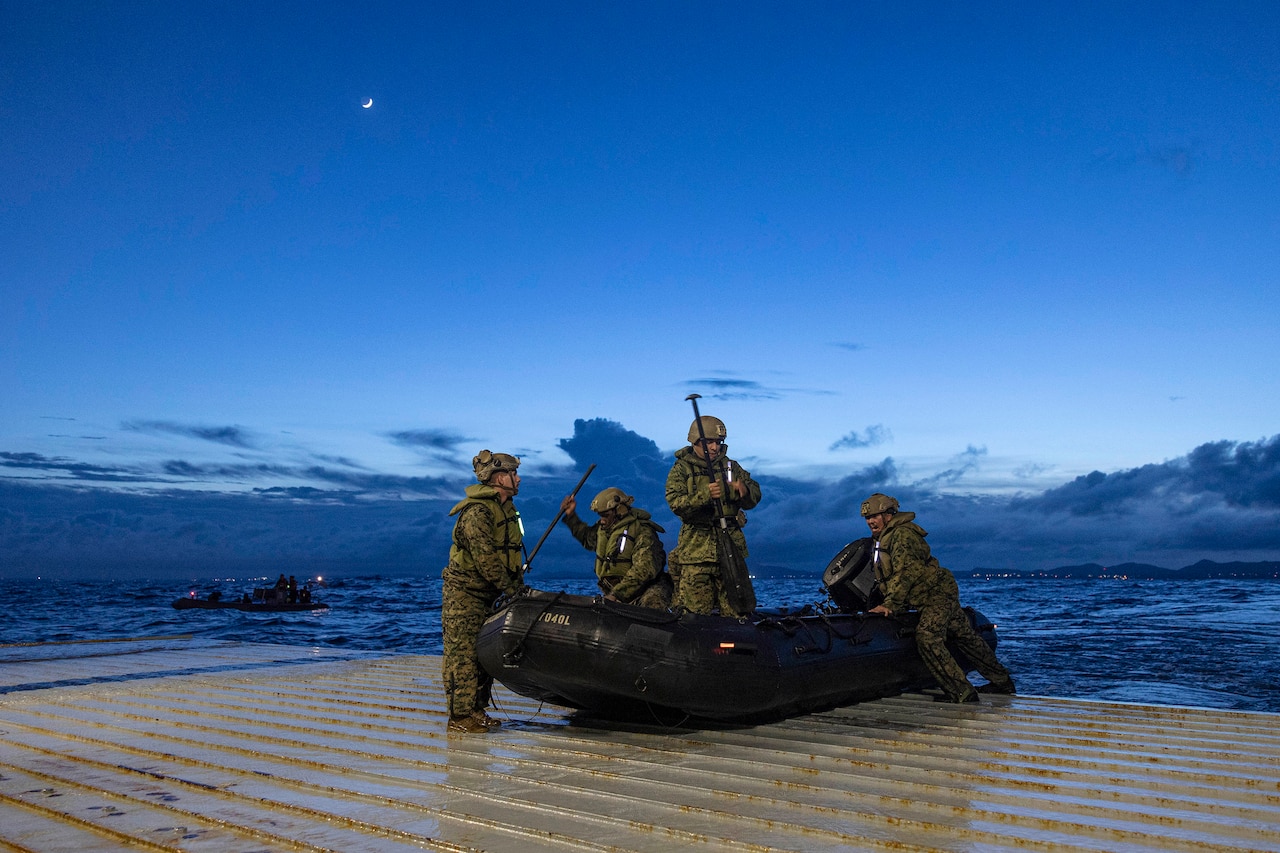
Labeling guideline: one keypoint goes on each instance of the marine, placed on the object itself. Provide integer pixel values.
(630, 559)
(485, 563)
(692, 495)
(910, 576)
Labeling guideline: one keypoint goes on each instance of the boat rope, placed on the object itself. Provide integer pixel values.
(791, 626)
(517, 651)
(651, 615)
(653, 713)
(859, 623)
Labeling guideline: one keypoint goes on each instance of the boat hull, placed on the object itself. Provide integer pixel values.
(588, 653)
(247, 607)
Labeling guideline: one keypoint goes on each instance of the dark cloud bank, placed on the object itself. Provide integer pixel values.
(1221, 501)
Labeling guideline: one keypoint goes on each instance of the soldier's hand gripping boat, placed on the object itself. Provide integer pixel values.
(589, 653)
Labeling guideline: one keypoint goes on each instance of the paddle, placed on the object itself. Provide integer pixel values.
(529, 560)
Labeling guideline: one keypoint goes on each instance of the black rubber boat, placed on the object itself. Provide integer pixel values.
(263, 600)
(588, 653)
(246, 606)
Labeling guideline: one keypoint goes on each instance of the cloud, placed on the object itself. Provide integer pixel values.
(54, 530)
(1220, 501)
(850, 346)
(74, 470)
(236, 473)
(874, 435)
(727, 387)
(431, 439)
(961, 465)
(381, 484)
(1232, 474)
(232, 436)
(339, 460)
(437, 444)
(1031, 470)
(616, 451)
(351, 483)
(733, 389)
(624, 459)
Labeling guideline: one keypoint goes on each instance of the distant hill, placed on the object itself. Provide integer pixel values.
(1143, 571)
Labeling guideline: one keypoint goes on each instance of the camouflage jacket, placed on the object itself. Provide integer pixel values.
(909, 574)
(689, 496)
(487, 551)
(628, 554)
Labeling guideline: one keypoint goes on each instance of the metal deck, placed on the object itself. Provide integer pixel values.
(176, 744)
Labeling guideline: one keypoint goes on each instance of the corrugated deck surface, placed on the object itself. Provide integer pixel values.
(177, 744)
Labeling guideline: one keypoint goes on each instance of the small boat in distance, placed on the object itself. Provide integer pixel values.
(263, 600)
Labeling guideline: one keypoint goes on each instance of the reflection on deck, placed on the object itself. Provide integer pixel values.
(174, 743)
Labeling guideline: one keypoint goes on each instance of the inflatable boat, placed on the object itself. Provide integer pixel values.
(589, 653)
(247, 606)
(263, 600)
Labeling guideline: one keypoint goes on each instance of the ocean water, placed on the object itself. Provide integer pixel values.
(1208, 643)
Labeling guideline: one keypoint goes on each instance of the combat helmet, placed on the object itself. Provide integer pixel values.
(877, 504)
(611, 498)
(486, 464)
(711, 426)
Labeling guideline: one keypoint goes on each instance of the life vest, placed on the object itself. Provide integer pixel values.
(507, 536)
(615, 548)
(693, 470)
(925, 583)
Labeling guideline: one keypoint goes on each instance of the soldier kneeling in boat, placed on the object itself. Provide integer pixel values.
(630, 559)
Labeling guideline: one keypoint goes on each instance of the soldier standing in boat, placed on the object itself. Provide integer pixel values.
(630, 559)
(693, 496)
(909, 575)
(485, 562)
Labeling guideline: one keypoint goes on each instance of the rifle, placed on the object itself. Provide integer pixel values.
(733, 569)
(529, 560)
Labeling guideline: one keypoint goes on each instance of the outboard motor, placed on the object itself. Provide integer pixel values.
(851, 579)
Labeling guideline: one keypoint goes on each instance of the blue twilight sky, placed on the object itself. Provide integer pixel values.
(966, 253)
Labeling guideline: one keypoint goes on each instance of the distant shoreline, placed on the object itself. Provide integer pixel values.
(1203, 570)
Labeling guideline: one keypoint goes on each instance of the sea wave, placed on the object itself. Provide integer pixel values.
(1210, 643)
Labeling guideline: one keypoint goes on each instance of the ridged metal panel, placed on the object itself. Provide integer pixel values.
(216, 747)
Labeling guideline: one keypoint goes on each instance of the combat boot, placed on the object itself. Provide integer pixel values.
(467, 725)
(489, 722)
(1005, 688)
(969, 695)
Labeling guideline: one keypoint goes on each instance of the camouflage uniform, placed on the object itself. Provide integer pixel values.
(628, 557)
(484, 563)
(909, 575)
(694, 564)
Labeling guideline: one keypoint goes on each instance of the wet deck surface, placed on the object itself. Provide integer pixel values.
(177, 744)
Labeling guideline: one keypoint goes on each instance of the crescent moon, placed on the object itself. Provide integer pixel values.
(367, 103)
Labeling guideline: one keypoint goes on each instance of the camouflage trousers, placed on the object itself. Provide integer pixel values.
(700, 589)
(656, 595)
(467, 686)
(943, 621)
